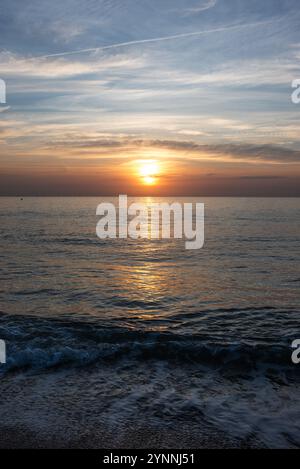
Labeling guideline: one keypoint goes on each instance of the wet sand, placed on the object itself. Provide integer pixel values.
(60, 410)
(139, 438)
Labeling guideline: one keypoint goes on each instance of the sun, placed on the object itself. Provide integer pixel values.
(149, 180)
(149, 171)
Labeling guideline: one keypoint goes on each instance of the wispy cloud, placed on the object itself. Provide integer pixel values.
(251, 153)
(235, 27)
(207, 5)
(58, 67)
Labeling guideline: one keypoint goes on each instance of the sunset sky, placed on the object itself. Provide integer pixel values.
(148, 97)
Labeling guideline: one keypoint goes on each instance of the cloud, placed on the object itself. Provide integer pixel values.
(228, 28)
(59, 67)
(250, 152)
(201, 7)
(243, 152)
(192, 133)
(267, 177)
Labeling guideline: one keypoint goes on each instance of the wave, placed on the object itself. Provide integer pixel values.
(42, 343)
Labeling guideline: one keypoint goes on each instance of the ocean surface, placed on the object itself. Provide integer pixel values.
(113, 332)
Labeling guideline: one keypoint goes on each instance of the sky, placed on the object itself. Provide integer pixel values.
(149, 97)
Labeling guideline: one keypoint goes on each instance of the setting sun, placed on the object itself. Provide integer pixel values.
(149, 171)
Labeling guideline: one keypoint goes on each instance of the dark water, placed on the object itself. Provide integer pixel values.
(194, 336)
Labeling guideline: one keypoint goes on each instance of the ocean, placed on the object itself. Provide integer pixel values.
(111, 336)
